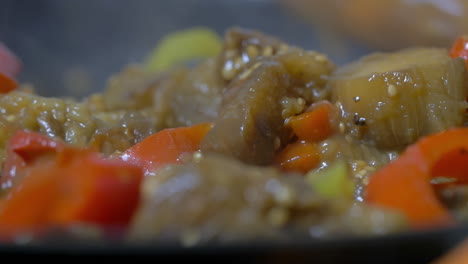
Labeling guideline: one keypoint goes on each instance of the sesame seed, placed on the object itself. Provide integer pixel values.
(361, 173)
(392, 90)
(252, 51)
(284, 196)
(365, 181)
(277, 143)
(228, 71)
(342, 127)
(197, 156)
(301, 101)
(238, 63)
(267, 51)
(360, 163)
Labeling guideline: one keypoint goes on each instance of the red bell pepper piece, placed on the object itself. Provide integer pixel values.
(405, 183)
(67, 185)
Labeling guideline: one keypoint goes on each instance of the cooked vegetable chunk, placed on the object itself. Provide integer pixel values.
(393, 99)
(250, 120)
(219, 199)
(182, 46)
(265, 90)
(66, 187)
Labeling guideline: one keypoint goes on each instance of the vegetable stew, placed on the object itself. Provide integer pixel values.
(259, 139)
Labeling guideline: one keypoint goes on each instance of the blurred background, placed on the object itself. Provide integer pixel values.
(65, 43)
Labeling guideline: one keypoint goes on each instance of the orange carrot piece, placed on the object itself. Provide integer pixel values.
(315, 125)
(166, 146)
(298, 157)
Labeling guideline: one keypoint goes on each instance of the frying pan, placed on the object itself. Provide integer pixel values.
(94, 39)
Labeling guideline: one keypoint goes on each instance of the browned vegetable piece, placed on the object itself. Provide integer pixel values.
(118, 131)
(188, 97)
(133, 88)
(242, 47)
(181, 97)
(250, 119)
(213, 198)
(391, 99)
(221, 199)
(54, 117)
(309, 71)
(272, 82)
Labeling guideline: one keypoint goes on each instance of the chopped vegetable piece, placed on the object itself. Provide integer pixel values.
(446, 154)
(298, 157)
(10, 65)
(73, 186)
(460, 49)
(332, 182)
(22, 150)
(6, 84)
(182, 46)
(405, 183)
(166, 146)
(314, 125)
(393, 99)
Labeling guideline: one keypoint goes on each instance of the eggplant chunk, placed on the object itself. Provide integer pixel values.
(250, 119)
(391, 99)
(214, 199)
(243, 47)
(221, 198)
(250, 123)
